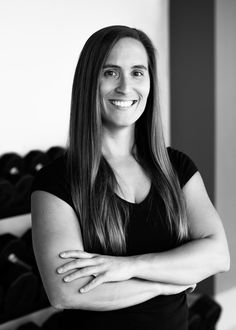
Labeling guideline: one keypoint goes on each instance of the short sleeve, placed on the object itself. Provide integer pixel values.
(53, 179)
(183, 165)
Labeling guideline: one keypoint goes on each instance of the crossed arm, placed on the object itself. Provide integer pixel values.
(123, 281)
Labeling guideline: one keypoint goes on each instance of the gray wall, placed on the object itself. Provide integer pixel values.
(226, 130)
(192, 88)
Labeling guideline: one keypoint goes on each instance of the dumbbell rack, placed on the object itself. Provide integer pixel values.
(16, 175)
(18, 225)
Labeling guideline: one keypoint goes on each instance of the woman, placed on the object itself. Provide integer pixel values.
(122, 226)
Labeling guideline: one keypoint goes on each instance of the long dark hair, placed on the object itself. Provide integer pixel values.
(103, 217)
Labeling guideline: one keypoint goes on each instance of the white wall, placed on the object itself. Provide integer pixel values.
(40, 44)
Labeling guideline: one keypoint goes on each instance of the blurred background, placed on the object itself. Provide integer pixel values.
(40, 42)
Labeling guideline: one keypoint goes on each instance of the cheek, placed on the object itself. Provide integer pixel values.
(145, 88)
(102, 91)
(145, 91)
(106, 87)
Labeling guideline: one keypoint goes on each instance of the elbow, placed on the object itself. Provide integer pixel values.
(225, 266)
(223, 261)
(61, 304)
(57, 305)
(57, 302)
(220, 256)
(62, 301)
(71, 300)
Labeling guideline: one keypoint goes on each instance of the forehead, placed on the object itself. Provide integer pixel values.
(128, 52)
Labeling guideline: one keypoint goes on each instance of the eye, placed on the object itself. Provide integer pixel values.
(111, 73)
(137, 73)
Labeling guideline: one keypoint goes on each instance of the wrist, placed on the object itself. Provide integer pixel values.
(136, 265)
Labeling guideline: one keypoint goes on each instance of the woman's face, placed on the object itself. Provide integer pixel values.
(124, 83)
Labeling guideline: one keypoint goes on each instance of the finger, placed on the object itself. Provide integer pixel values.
(88, 271)
(191, 288)
(75, 264)
(76, 254)
(96, 281)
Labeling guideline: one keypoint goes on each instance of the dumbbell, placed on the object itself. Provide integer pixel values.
(13, 250)
(6, 197)
(55, 152)
(11, 166)
(21, 295)
(35, 160)
(42, 299)
(17, 258)
(208, 309)
(21, 285)
(195, 321)
(22, 190)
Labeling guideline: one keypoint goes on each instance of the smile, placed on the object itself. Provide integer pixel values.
(123, 104)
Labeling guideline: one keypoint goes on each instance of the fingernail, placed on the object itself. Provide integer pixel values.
(66, 279)
(82, 290)
(59, 270)
(62, 255)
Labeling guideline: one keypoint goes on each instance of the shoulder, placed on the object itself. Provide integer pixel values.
(53, 178)
(183, 165)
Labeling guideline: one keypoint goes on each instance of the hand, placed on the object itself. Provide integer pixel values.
(191, 288)
(103, 268)
(167, 289)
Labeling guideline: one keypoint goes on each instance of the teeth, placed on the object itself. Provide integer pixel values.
(122, 104)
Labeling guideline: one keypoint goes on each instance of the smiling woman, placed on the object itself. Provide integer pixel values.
(122, 226)
(124, 83)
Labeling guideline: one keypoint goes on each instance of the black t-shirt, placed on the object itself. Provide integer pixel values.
(147, 232)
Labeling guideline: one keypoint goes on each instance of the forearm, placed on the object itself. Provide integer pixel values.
(187, 264)
(107, 296)
(113, 295)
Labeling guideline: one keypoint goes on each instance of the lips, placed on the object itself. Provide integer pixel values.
(123, 103)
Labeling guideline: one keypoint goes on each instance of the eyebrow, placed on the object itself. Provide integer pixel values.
(140, 66)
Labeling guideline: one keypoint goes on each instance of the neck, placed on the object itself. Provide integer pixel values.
(117, 143)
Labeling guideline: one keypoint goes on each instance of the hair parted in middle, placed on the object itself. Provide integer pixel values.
(103, 217)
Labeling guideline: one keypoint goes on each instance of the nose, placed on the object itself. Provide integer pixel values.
(124, 85)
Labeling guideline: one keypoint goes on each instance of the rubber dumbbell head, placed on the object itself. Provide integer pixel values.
(35, 160)
(11, 166)
(15, 257)
(21, 296)
(6, 197)
(55, 152)
(208, 309)
(22, 188)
